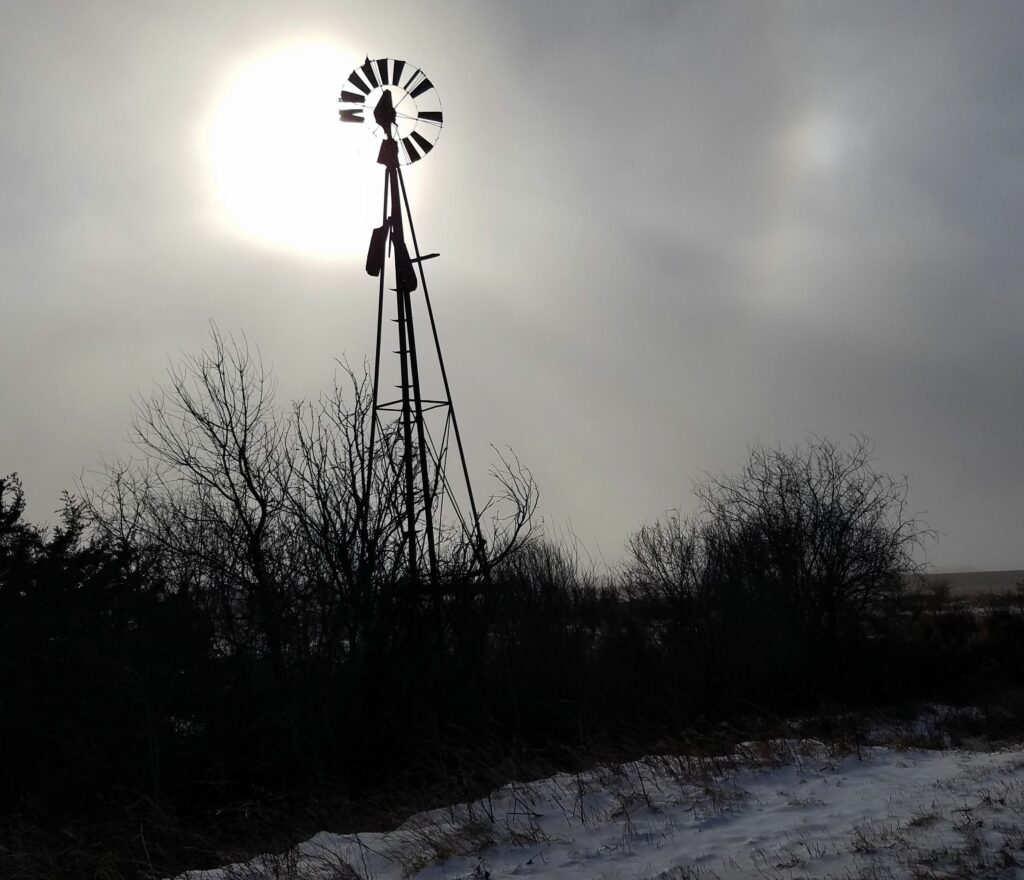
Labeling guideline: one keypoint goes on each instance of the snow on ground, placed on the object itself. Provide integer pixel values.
(776, 810)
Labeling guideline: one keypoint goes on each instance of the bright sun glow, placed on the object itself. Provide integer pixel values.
(281, 169)
(817, 143)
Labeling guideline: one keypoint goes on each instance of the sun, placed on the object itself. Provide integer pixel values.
(280, 170)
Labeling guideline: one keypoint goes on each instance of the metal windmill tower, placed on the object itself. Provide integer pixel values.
(399, 105)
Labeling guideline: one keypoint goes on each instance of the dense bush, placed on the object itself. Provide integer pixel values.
(102, 664)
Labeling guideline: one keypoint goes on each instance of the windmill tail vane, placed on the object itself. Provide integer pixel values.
(398, 104)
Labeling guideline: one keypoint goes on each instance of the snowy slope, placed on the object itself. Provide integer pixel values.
(883, 813)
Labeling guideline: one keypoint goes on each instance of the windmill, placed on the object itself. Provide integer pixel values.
(398, 104)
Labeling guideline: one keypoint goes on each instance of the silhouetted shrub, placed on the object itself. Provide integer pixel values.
(786, 563)
(100, 667)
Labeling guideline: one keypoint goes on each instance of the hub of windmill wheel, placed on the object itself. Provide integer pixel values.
(384, 113)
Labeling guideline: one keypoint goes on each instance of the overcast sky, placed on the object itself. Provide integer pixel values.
(668, 231)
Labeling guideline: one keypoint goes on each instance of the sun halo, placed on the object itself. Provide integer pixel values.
(280, 170)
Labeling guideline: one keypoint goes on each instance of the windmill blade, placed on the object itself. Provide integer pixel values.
(423, 143)
(399, 66)
(351, 115)
(431, 116)
(424, 86)
(357, 81)
(371, 77)
(354, 98)
(382, 68)
(410, 149)
(415, 73)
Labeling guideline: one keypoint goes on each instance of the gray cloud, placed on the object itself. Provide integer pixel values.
(668, 230)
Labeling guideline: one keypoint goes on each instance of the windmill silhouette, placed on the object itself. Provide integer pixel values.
(405, 114)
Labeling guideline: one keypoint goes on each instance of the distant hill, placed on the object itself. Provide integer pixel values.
(975, 583)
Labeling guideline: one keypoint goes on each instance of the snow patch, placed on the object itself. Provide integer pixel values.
(775, 810)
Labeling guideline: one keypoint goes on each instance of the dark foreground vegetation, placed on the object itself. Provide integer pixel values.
(217, 646)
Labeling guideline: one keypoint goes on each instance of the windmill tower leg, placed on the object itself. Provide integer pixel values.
(479, 545)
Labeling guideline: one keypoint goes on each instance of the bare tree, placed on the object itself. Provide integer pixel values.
(815, 531)
(207, 493)
(666, 558)
(267, 517)
(509, 514)
(354, 538)
(834, 535)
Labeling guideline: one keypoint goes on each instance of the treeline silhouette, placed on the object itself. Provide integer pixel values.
(213, 635)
